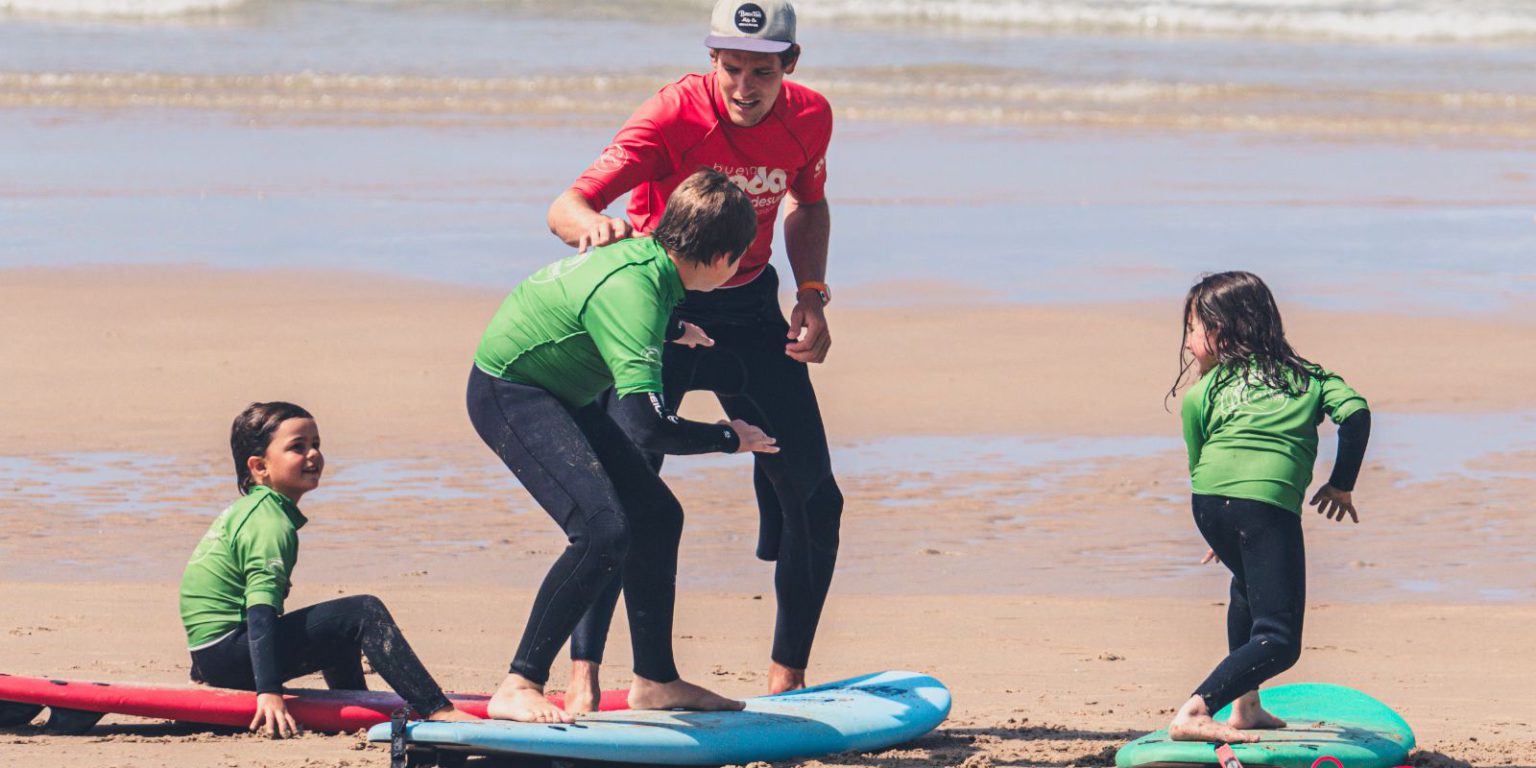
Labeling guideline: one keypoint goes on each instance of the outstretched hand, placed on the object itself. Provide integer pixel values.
(693, 336)
(272, 717)
(1334, 503)
(753, 439)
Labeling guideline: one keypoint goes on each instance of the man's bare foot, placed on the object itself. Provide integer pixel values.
(1249, 714)
(584, 693)
(518, 698)
(782, 678)
(451, 714)
(649, 694)
(1193, 723)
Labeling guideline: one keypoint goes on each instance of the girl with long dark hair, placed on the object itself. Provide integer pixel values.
(1250, 425)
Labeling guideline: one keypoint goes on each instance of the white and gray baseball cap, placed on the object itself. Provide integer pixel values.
(760, 26)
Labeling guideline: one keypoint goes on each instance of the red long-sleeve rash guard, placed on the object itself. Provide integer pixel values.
(685, 127)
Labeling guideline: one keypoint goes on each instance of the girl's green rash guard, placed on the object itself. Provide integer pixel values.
(1249, 441)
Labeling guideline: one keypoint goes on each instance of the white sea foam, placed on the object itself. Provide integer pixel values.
(143, 9)
(1353, 20)
(969, 96)
(1361, 20)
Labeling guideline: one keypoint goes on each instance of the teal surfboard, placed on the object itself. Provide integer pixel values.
(863, 713)
(1322, 721)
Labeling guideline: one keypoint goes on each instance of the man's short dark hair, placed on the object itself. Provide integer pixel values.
(707, 215)
(787, 56)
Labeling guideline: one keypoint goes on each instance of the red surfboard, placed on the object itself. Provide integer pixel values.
(74, 705)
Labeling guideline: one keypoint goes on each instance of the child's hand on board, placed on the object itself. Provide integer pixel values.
(1334, 503)
(1210, 557)
(272, 718)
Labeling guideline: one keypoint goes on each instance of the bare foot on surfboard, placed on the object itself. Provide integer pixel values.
(518, 698)
(1203, 728)
(1193, 723)
(782, 678)
(1249, 714)
(451, 714)
(678, 694)
(584, 692)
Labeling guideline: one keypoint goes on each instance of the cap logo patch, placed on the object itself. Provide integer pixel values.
(749, 18)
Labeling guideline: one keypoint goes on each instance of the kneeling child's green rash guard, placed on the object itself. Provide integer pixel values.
(588, 322)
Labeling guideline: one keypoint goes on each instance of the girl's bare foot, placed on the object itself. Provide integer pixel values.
(584, 692)
(649, 694)
(518, 698)
(782, 678)
(1193, 723)
(451, 714)
(1249, 714)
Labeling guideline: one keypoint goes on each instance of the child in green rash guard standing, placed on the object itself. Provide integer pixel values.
(235, 585)
(575, 328)
(1250, 424)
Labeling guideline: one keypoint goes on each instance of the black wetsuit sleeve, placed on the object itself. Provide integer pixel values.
(1354, 433)
(261, 626)
(654, 427)
(674, 329)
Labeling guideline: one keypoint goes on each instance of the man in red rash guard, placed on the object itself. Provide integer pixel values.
(770, 136)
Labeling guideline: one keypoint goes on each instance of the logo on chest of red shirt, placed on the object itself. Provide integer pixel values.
(758, 181)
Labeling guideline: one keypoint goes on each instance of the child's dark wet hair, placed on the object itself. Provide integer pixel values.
(1240, 314)
(252, 433)
(707, 215)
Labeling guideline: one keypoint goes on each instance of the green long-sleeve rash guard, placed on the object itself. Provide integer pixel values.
(580, 325)
(1249, 441)
(245, 559)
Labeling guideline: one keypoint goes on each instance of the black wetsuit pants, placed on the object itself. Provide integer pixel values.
(616, 512)
(799, 504)
(1262, 545)
(330, 638)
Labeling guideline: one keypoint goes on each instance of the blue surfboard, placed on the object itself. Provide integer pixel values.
(862, 713)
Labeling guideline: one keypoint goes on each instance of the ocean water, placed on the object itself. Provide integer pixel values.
(1361, 153)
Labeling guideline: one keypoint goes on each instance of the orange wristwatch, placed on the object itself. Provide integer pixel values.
(820, 288)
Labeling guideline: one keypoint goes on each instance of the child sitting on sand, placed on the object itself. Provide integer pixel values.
(233, 590)
(1250, 424)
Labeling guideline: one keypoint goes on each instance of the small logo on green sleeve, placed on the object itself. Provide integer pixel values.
(560, 268)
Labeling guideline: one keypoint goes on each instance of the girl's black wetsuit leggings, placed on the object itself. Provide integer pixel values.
(618, 515)
(1261, 544)
(330, 638)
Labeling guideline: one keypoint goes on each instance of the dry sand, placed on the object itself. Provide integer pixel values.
(1060, 606)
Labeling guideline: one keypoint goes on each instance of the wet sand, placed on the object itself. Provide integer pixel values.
(385, 361)
(1057, 597)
